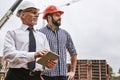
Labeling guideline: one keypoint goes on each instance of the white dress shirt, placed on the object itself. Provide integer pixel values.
(16, 47)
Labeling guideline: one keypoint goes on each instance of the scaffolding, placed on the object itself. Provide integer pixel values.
(92, 70)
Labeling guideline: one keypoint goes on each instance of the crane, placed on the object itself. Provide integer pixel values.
(9, 13)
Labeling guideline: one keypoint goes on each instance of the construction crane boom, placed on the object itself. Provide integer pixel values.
(9, 13)
(69, 3)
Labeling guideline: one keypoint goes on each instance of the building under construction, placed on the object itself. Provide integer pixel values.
(87, 70)
(92, 70)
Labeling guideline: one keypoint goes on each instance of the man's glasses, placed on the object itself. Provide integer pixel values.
(32, 11)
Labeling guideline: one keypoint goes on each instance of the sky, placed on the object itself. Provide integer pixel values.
(93, 25)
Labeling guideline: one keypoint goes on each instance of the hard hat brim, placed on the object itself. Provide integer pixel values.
(61, 12)
(26, 5)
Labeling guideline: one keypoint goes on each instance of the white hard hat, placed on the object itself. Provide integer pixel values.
(25, 5)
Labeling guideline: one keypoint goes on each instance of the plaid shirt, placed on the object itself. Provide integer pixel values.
(60, 42)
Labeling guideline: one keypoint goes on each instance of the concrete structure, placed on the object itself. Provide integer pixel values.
(2, 73)
(85, 70)
(92, 70)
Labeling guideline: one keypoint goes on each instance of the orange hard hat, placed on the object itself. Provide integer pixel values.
(51, 9)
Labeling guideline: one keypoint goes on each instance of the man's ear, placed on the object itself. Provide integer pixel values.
(49, 17)
(22, 14)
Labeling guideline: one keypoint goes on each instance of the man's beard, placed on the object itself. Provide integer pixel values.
(34, 21)
(57, 22)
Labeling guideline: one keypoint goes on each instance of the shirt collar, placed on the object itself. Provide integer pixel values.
(48, 26)
(25, 27)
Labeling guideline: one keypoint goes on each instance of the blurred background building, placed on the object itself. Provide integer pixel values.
(92, 70)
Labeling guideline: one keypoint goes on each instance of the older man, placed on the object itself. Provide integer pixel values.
(23, 46)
